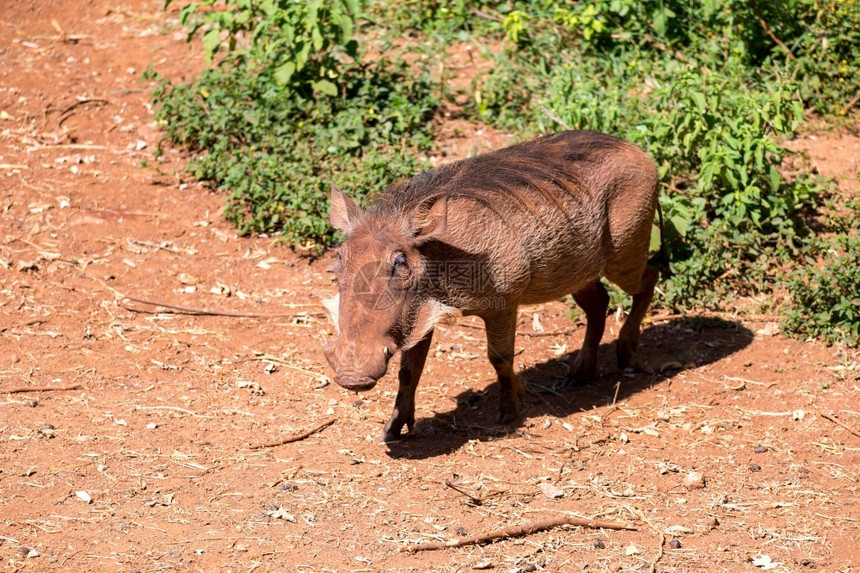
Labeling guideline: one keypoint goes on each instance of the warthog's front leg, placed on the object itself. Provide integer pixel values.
(411, 366)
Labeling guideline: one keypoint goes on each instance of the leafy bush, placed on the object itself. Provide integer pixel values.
(297, 42)
(279, 119)
(826, 294)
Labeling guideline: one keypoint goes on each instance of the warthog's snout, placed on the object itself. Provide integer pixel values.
(366, 366)
(354, 383)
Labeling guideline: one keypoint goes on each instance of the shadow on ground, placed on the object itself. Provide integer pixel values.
(671, 346)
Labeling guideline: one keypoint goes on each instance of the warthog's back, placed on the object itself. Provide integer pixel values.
(545, 217)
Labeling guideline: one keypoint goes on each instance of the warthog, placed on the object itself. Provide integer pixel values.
(527, 224)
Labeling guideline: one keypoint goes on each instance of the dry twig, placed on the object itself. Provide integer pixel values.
(66, 113)
(23, 389)
(20, 324)
(474, 500)
(484, 15)
(838, 423)
(719, 315)
(659, 554)
(553, 116)
(297, 438)
(767, 30)
(853, 101)
(567, 330)
(209, 312)
(519, 531)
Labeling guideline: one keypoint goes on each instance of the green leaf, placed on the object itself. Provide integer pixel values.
(707, 174)
(268, 7)
(699, 100)
(352, 5)
(284, 73)
(317, 39)
(759, 157)
(681, 224)
(211, 41)
(185, 13)
(345, 28)
(302, 56)
(324, 87)
(774, 179)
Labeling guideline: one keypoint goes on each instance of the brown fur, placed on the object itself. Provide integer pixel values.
(526, 224)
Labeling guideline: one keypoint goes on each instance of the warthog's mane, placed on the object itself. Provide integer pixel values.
(551, 166)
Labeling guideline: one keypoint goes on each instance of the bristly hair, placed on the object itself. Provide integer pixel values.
(332, 308)
(547, 165)
(426, 319)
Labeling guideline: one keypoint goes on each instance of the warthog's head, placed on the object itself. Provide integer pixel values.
(382, 303)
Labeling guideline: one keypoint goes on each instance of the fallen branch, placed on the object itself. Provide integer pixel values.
(210, 312)
(23, 389)
(838, 423)
(519, 531)
(296, 438)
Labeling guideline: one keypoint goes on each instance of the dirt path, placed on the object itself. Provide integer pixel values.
(140, 455)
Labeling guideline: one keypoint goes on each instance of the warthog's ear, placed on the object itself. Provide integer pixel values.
(430, 219)
(343, 212)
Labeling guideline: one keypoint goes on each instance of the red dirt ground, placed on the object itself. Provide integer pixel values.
(141, 455)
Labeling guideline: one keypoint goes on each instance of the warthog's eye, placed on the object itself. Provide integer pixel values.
(400, 268)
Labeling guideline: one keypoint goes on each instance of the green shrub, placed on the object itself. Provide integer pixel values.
(826, 293)
(294, 109)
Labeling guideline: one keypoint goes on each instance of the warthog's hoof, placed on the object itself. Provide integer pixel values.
(392, 430)
(391, 438)
(580, 373)
(505, 416)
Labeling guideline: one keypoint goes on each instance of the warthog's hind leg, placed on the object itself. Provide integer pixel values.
(594, 300)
